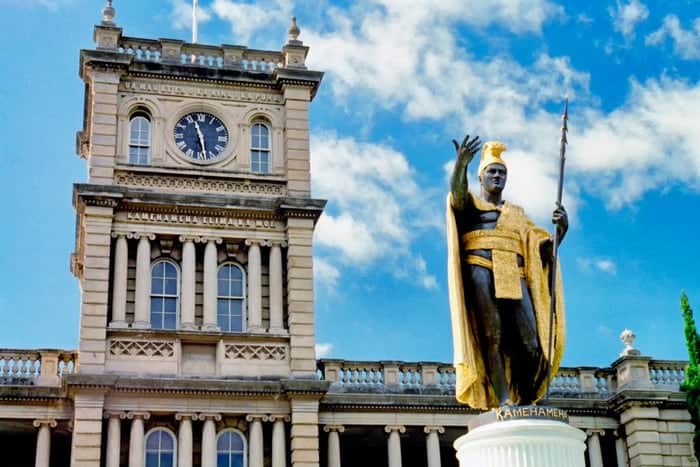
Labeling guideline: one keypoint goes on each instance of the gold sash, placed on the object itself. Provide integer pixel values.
(505, 247)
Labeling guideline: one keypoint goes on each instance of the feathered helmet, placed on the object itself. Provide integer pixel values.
(491, 154)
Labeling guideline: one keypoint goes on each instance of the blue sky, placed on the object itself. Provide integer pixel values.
(402, 79)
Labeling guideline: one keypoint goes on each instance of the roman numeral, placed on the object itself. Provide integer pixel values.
(190, 153)
(179, 135)
(211, 122)
(181, 145)
(189, 119)
(180, 125)
(218, 148)
(201, 117)
(223, 139)
(219, 129)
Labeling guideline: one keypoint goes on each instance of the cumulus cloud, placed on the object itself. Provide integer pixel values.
(686, 42)
(325, 273)
(181, 14)
(323, 349)
(627, 15)
(605, 265)
(247, 18)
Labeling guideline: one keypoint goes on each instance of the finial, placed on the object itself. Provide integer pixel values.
(108, 14)
(628, 337)
(294, 31)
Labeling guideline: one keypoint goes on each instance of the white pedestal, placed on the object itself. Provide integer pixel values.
(522, 443)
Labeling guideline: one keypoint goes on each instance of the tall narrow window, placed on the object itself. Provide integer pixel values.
(160, 448)
(139, 138)
(230, 298)
(260, 148)
(165, 285)
(230, 449)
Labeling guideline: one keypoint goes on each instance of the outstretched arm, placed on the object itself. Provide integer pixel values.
(459, 184)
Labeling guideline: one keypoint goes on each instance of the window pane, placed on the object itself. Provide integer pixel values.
(236, 307)
(166, 442)
(156, 320)
(171, 286)
(152, 459)
(170, 305)
(170, 321)
(156, 285)
(236, 442)
(152, 442)
(236, 288)
(224, 441)
(237, 460)
(222, 460)
(264, 138)
(224, 288)
(166, 459)
(158, 269)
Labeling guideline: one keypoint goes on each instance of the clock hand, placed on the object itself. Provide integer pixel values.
(201, 139)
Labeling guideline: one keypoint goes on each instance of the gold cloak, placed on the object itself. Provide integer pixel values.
(472, 386)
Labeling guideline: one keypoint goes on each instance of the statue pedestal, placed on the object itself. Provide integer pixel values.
(524, 442)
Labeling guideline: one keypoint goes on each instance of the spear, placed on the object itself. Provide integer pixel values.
(555, 239)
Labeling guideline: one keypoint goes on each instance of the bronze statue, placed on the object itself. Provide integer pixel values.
(499, 266)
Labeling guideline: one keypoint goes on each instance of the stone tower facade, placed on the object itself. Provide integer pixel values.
(193, 247)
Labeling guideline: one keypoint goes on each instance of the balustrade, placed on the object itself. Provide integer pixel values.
(667, 373)
(35, 367)
(147, 50)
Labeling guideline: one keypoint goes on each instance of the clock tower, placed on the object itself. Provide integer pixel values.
(194, 250)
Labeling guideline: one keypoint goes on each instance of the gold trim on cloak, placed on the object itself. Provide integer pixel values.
(472, 385)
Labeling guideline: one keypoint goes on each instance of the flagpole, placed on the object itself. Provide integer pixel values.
(195, 23)
(555, 246)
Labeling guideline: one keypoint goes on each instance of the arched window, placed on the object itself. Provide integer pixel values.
(139, 138)
(165, 290)
(160, 448)
(230, 449)
(260, 148)
(231, 298)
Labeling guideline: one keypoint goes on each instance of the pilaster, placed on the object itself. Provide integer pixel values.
(300, 296)
(102, 147)
(87, 428)
(304, 433)
(296, 140)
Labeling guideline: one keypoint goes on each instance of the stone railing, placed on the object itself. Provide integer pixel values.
(568, 382)
(43, 367)
(182, 53)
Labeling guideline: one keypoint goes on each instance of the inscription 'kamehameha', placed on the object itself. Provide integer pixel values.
(512, 413)
(216, 221)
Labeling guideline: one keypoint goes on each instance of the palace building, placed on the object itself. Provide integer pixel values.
(193, 253)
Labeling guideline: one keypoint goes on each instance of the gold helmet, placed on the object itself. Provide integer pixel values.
(491, 154)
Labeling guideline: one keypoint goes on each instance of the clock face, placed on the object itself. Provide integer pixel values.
(201, 136)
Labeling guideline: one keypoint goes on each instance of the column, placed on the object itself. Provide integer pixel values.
(254, 286)
(211, 263)
(433, 444)
(279, 450)
(184, 439)
(43, 442)
(276, 310)
(114, 433)
(209, 438)
(255, 443)
(188, 283)
(136, 442)
(595, 455)
(142, 305)
(334, 444)
(121, 265)
(394, 444)
(621, 450)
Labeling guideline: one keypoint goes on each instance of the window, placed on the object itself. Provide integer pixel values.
(165, 285)
(160, 448)
(139, 138)
(260, 148)
(230, 449)
(230, 298)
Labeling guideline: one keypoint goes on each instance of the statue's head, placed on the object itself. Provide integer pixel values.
(493, 172)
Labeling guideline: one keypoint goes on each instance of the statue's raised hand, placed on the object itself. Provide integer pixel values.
(466, 150)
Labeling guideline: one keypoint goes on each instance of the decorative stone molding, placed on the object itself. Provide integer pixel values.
(255, 352)
(336, 428)
(200, 91)
(595, 431)
(436, 429)
(139, 235)
(208, 218)
(186, 415)
(257, 241)
(190, 184)
(141, 348)
(114, 414)
(279, 243)
(50, 422)
(283, 417)
(209, 416)
(138, 414)
(254, 416)
(397, 428)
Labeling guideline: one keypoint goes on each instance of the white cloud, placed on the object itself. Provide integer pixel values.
(181, 14)
(323, 350)
(626, 17)
(427, 280)
(326, 273)
(605, 265)
(686, 42)
(248, 18)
